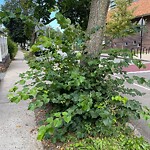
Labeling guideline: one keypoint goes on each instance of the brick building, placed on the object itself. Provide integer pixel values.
(141, 40)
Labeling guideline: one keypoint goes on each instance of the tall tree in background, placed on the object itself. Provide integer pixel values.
(120, 22)
(38, 9)
(21, 16)
(20, 28)
(24, 7)
(16, 30)
(16, 15)
(97, 20)
(42, 10)
(76, 10)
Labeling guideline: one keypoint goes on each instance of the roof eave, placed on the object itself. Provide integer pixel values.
(144, 15)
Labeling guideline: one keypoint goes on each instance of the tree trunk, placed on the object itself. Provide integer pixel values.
(97, 19)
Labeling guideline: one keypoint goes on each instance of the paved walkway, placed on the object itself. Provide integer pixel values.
(145, 57)
(16, 122)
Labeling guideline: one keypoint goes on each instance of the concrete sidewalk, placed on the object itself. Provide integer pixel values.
(16, 122)
(145, 57)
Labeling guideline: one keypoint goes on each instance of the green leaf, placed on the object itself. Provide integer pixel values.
(64, 113)
(67, 119)
(12, 98)
(107, 121)
(49, 120)
(32, 106)
(25, 90)
(62, 20)
(94, 114)
(141, 80)
(22, 82)
(45, 98)
(41, 132)
(81, 79)
(120, 99)
(33, 91)
(50, 130)
(138, 63)
(14, 89)
(57, 122)
(25, 97)
(34, 48)
(129, 80)
(12, 15)
(57, 114)
(38, 103)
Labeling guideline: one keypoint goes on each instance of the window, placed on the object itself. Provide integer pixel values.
(112, 4)
(139, 45)
(126, 43)
(134, 42)
(103, 43)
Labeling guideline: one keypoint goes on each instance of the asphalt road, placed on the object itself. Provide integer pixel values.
(142, 125)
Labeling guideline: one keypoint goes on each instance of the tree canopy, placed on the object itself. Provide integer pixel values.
(76, 10)
(120, 20)
(20, 27)
(39, 9)
(21, 16)
(42, 10)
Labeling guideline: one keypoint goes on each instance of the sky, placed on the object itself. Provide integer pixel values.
(52, 24)
(1, 1)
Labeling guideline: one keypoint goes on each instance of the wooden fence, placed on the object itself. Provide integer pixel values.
(3, 48)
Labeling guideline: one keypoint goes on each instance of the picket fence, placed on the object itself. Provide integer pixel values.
(3, 48)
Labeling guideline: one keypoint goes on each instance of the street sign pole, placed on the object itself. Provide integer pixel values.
(141, 23)
(141, 38)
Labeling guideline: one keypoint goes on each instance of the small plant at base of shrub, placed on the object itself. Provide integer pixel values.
(122, 142)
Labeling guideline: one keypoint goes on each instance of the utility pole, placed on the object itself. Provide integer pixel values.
(141, 23)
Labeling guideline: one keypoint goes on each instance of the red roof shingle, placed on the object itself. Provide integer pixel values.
(142, 8)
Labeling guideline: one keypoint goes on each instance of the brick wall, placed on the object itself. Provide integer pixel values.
(134, 41)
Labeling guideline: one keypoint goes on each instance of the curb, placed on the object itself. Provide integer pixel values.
(135, 130)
